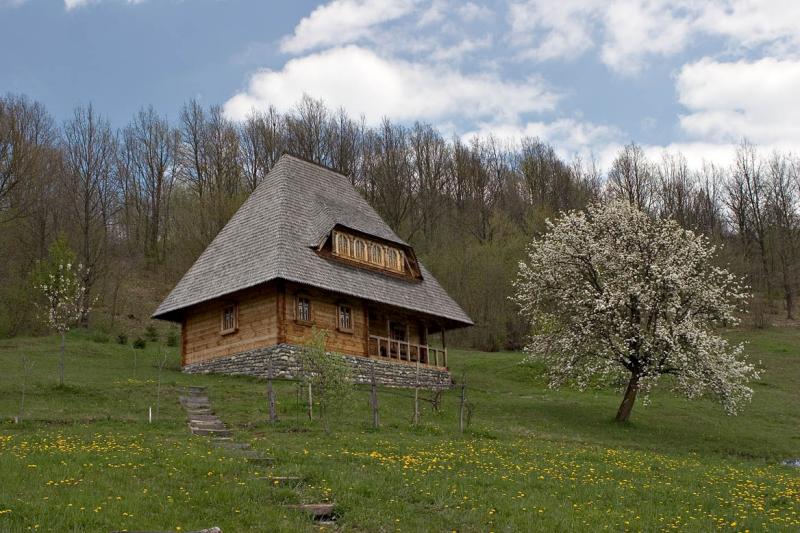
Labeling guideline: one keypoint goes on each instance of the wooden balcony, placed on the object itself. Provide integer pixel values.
(385, 348)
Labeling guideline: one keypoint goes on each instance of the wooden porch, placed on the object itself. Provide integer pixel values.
(400, 350)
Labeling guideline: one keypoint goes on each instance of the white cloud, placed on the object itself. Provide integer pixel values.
(435, 12)
(753, 22)
(630, 32)
(74, 4)
(550, 30)
(364, 83)
(472, 11)
(459, 50)
(569, 136)
(636, 30)
(343, 21)
(730, 100)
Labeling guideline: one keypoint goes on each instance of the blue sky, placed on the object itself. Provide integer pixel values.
(586, 75)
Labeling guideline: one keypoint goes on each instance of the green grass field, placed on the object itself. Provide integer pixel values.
(86, 459)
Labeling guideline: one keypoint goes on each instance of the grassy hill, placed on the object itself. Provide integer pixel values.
(86, 459)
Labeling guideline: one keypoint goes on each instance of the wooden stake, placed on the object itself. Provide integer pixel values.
(463, 401)
(374, 401)
(310, 403)
(273, 415)
(416, 398)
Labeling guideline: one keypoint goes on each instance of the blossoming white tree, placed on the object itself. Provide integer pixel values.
(613, 295)
(60, 282)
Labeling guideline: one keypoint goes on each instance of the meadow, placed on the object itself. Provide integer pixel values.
(85, 458)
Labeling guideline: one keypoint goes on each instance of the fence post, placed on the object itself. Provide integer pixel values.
(273, 415)
(374, 400)
(463, 401)
(416, 397)
(310, 403)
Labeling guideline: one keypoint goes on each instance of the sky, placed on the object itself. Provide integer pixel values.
(585, 75)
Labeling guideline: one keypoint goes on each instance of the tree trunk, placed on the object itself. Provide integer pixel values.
(61, 363)
(626, 406)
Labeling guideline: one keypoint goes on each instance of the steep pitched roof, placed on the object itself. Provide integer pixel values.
(274, 235)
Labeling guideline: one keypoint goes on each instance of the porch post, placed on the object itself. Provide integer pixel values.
(366, 331)
(444, 346)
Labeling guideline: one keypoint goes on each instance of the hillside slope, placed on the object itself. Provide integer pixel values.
(85, 457)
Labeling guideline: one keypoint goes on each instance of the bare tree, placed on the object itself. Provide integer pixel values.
(26, 134)
(149, 153)
(631, 177)
(675, 188)
(748, 187)
(89, 148)
(345, 139)
(390, 178)
(431, 161)
(782, 204)
(306, 130)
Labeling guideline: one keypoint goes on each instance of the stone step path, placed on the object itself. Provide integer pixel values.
(282, 480)
(322, 513)
(203, 422)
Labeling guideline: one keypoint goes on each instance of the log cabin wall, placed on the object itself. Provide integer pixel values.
(267, 315)
(257, 325)
(324, 316)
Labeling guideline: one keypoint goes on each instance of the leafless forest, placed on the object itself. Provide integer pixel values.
(140, 203)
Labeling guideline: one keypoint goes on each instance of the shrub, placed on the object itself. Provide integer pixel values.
(100, 337)
(172, 337)
(122, 338)
(151, 333)
(139, 343)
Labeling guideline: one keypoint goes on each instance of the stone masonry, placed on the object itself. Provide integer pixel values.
(285, 365)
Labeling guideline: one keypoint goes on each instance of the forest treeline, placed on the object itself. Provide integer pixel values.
(138, 204)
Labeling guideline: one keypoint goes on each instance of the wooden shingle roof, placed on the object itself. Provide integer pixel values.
(275, 233)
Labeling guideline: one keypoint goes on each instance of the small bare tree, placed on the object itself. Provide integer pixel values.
(326, 375)
(27, 368)
(61, 282)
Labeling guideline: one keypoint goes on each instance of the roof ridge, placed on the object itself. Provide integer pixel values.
(323, 166)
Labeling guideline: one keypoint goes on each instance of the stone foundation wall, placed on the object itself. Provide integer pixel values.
(285, 365)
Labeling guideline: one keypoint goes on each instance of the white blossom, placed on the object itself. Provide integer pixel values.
(64, 295)
(614, 294)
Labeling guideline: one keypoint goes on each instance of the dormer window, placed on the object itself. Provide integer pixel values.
(360, 249)
(369, 252)
(394, 259)
(376, 254)
(342, 244)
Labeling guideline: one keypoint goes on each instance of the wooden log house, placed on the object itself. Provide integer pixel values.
(306, 250)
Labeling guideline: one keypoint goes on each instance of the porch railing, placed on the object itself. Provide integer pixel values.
(387, 348)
